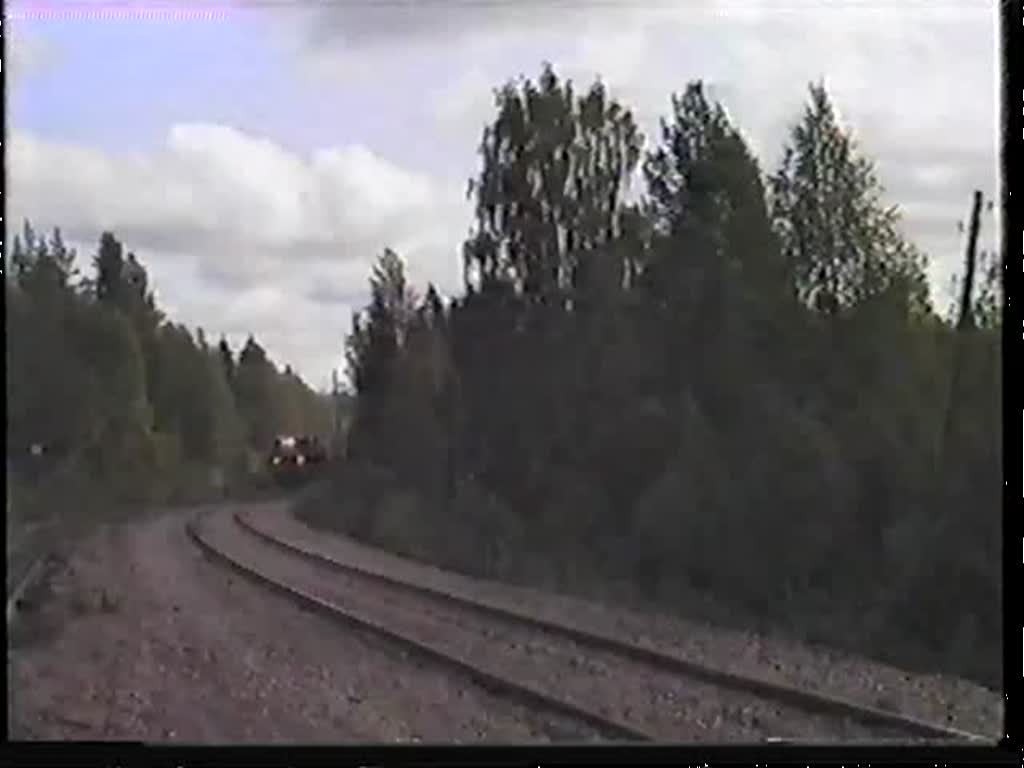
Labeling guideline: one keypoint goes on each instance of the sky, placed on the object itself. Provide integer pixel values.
(258, 156)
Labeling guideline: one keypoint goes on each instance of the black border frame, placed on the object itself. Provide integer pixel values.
(1012, 137)
(125, 754)
(1007, 751)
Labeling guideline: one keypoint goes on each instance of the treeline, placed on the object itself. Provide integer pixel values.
(731, 384)
(110, 401)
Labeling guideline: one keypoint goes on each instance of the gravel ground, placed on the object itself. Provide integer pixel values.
(936, 698)
(668, 706)
(137, 636)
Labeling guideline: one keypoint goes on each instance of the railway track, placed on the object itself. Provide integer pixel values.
(622, 690)
(22, 584)
(30, 547)
(590, 723)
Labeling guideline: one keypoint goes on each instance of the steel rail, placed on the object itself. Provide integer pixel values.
(487, 679)
(15, 595)
(809, 701)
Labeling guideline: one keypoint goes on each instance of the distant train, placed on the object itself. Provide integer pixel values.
(295, 459)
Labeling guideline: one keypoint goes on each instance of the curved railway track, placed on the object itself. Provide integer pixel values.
(622, 690)
(30, 548)
(592, 722)
(22, 584)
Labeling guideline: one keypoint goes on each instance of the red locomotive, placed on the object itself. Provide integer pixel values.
(296, 458)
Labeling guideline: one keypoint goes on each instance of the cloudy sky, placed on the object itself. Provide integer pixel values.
(259, 155)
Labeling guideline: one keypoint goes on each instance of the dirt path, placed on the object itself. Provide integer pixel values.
(137, 636)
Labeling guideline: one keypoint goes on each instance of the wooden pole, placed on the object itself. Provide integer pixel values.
(965, 322)
(336, 398)
(966, 319)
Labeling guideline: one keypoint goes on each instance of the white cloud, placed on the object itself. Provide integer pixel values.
(243, 235)
(915, 81)
(27, 54)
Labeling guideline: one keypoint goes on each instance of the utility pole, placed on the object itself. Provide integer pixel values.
(964, 323)
(336, 398)
(446, 400)
(966, 319)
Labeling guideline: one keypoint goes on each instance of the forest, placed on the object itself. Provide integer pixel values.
(725, 393)
(110, 404)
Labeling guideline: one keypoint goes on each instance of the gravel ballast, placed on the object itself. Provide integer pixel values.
(138, 636)
(940, 699)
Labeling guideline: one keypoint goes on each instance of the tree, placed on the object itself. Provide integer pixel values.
(43, 268)
(226, 440)
(44, 314)
(42, 360)
(255, 390)
(124, 283)
(117, 448)
(392, 293)
(555, 168)
(547, 251)
(227, 360)
(705, 190)
(109, 264)
(23, 251)
(374, 346)
(715, 269)
(841, 243)
(193, 401)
